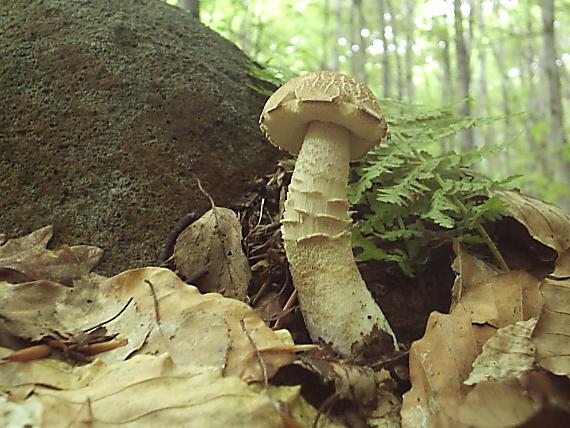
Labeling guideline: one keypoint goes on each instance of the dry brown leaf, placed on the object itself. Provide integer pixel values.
(514, 402)
(387, 412)
(470, 272)
(301, 412)
(351, 382)
(545, 222)
(181, 338)
(504, 299)
(27, 259)
(43, 309)
(183, 305)
(142, 391)
(209, 254)
(552, 333)
(205, 329)
(439, 363)
(562, 266)
(499, 299)
(509, 353)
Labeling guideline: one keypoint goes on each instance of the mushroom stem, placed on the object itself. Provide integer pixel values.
(337, 306)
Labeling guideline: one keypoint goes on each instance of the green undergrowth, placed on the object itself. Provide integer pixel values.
(412, 195)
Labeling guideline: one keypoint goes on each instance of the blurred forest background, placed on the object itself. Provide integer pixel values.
(507, 59)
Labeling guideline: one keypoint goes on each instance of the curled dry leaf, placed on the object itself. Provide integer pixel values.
(296, 412)
(439, 363)
(470, 270)
(165, 315)
(562, 266)
(552, 332)
(191, 325)
(545, 222)
(46, 310)
(209, 254)
(27, 259)
(351, 382)
(387, 412)
(144, 391)
(498, 299)
(515, 402)
(507, 354)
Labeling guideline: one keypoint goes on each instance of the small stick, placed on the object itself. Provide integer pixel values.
(36, 352)
(260, 291)
(97, 348)
(286, 309)
(112, 318)
(206, 194)
(155, 300)
(259, 357)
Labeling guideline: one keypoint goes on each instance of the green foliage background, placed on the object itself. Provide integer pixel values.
(295, 36)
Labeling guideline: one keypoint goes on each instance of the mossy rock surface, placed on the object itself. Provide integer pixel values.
(110, 110)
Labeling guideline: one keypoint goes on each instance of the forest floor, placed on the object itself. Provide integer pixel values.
(495, 353)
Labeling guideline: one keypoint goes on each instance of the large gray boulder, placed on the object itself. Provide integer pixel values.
(109, 111)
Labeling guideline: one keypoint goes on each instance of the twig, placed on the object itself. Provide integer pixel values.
(286, 309)
(260, 292)
(259, 358)
(325, 408)
(112, 318)
(206, 194)
(155, 301)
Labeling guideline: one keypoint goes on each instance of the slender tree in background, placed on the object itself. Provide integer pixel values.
(409, 29)
(352, 42)
(395, 34)
(557, 136)
(192, 6)
(245, 27)
(448, 83)
(464, 72)
(533, 100)
(362, 45)
(326, 37)
(338, 30)
(499, 54)
(486, 135)
(386, 77)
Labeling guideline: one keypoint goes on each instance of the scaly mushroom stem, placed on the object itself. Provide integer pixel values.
(337, 306)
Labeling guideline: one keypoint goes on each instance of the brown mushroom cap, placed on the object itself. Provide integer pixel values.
(324, 96)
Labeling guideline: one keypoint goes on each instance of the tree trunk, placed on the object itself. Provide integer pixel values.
(410, 26)
(447, 84)
(486, 135)
(192, 6)
(362, 58)
(245, 27)
(399, 71)
(335, 66)
(353, 55)
(325, 36)
(536, 146)
(557, 136)
(386, 78)
(464, 71)
(499, 54)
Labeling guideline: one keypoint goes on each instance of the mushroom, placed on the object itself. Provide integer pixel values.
(328, 119)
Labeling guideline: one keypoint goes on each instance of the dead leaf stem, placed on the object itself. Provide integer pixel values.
(259, 358)
(155, 301)
(117, 315)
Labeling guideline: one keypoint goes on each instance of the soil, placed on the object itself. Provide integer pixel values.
(110, 111)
